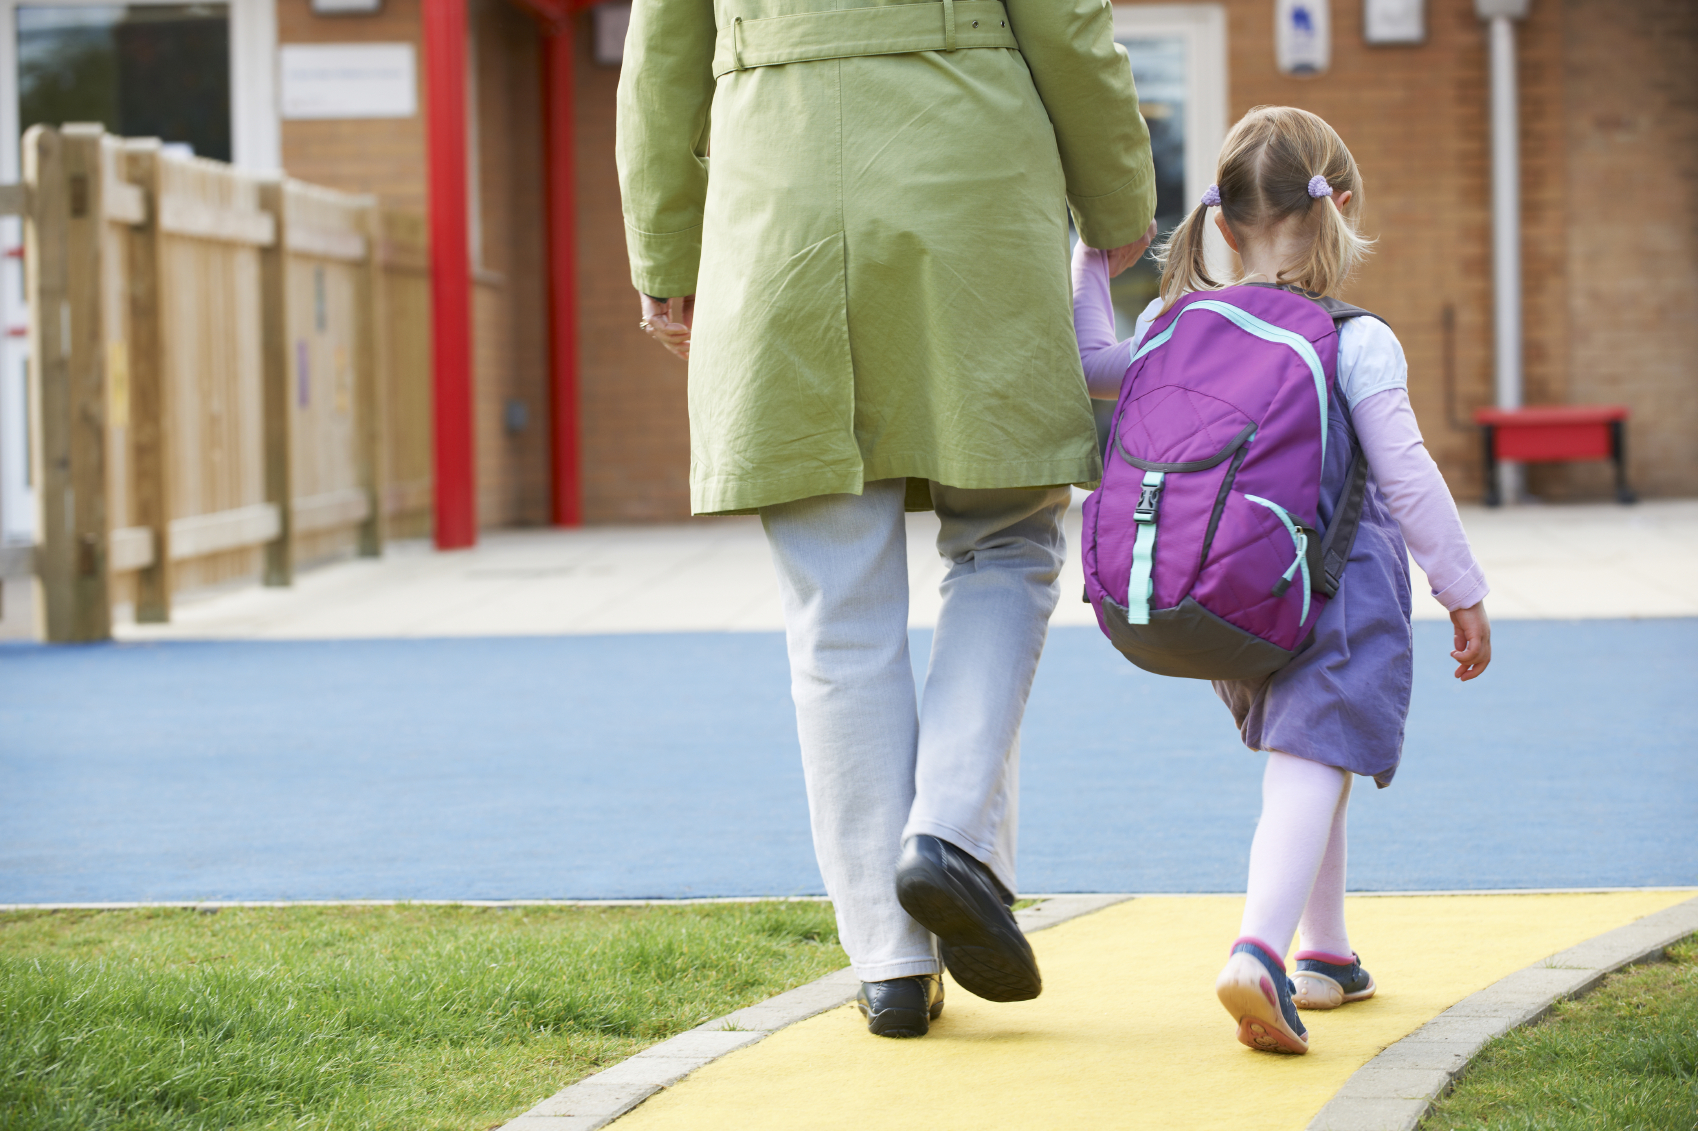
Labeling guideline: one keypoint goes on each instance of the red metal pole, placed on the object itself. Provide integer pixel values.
(450, 272)
(558, 46)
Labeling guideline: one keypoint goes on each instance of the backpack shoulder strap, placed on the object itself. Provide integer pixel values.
(1340, 536)
(1343, 312)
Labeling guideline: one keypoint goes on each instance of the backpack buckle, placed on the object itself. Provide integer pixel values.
(1149, 496)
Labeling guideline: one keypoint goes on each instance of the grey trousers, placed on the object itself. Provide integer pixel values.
(881, 767)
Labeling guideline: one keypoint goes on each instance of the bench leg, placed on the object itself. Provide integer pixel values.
(1618, 454)
(1492, 498)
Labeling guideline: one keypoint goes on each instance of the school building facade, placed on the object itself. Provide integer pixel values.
(567, 413)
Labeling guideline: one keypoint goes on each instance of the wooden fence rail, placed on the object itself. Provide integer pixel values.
(226, 371)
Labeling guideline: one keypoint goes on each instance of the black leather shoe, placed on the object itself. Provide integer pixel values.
(901, 1007)
(957, 899)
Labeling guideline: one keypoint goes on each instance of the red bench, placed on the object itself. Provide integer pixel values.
(1546, 435)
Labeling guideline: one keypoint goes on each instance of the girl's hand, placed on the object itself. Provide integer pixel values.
(667, 321)
(1120, 258)
(1473, 641)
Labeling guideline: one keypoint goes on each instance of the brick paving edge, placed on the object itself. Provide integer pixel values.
(598, 1100)
(1396, 1090)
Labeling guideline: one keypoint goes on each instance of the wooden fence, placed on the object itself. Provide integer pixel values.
(231, 375)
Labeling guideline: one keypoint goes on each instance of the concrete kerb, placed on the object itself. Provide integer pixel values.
(598, 1100)
(1396, 1089)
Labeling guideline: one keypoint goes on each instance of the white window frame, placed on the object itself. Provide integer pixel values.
(1202, 27)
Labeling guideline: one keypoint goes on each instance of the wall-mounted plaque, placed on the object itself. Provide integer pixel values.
(1394, 21)
(348, 80)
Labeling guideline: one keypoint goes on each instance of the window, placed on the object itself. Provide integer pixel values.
(146, 70)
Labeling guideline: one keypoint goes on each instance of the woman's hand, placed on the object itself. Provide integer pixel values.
(1473, 640)
(1120, 258)
(667, 321)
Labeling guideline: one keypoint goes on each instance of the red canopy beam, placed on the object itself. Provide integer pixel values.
(450, 273)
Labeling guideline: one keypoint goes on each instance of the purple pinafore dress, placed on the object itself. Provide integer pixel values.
(1343, 700)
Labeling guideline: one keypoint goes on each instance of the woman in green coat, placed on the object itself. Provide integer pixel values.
(867, 208)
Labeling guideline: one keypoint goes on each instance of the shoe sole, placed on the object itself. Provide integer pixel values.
(1247, 991)
(1317, 991)
(995, 965)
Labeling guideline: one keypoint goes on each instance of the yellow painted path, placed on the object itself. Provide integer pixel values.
(1128, 1033)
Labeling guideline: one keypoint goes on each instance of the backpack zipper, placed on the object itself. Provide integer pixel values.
(1300, 540)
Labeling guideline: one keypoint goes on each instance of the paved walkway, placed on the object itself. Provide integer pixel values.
(1127, 1033)
(714, 575)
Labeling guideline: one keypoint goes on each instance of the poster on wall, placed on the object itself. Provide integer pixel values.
(1302, 36)
(348, 80)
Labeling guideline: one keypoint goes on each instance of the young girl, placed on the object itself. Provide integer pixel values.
(1287, 199)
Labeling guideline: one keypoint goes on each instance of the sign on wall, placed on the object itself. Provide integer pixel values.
(348, 80)
(1394, 21)
(1302, 36)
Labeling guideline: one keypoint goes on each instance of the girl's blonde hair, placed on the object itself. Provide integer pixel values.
(1266, 166)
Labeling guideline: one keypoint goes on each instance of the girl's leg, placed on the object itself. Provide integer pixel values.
(1302, 802)
(843, 575)
(1322, 927)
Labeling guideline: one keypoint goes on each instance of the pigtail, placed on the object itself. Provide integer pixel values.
(1336, 247)
(1183, 258)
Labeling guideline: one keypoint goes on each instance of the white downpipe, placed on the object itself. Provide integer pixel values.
(1506, 224)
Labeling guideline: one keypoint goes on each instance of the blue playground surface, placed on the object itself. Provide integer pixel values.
(665, 766)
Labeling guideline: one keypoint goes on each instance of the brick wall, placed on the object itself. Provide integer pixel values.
(1609, 150)
(636, 433)
(384, 157)
(387, 157)
(1632, 242)
(510, 328)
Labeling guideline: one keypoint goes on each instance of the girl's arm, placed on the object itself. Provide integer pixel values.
(1418, 498)
(1105, 358)
(1374, 378)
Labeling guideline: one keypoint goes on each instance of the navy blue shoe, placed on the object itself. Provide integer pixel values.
(1255, 991)
(1327, 981)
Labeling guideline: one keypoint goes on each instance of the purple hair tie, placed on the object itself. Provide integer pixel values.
(1318, 187)
(1211, 197)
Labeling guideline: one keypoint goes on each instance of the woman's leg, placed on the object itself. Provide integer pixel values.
(843, 575)
(1302, 801)
(1322, 926)
(1005, 548)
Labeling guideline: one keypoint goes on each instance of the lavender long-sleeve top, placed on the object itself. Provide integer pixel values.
(1373, 378)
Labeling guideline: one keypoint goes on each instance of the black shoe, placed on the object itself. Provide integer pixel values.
(956, 898)
(901, 1007)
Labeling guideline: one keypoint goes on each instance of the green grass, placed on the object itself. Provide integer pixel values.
(395, 1017)
(1624, 1056)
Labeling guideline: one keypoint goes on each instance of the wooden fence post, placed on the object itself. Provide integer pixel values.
(68, 368)
(150, 421)
(369, 369)
(274, 345)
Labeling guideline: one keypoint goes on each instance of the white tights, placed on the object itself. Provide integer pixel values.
(1297, 859)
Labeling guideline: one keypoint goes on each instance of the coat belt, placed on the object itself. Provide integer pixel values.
(889, 29)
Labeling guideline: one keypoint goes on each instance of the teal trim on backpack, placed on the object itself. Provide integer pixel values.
(1268, 332)
(1140, 586)
(1301, 541)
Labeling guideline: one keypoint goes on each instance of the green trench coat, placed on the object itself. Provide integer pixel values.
(879, 255)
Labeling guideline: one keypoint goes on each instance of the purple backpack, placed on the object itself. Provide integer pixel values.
(1203, 552)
